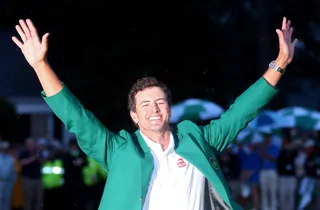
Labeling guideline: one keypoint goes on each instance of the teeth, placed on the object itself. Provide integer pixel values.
(154, 118)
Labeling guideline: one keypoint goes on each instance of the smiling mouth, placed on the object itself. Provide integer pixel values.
(154, 118)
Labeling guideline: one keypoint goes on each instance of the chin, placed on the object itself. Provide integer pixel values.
(159, 128)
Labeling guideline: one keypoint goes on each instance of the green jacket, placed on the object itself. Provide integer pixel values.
(128, 159)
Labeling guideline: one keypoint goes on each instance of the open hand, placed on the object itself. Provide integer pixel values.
(285, 41)
(32, 48)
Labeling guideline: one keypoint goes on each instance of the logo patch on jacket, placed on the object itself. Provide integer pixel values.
(181, 163)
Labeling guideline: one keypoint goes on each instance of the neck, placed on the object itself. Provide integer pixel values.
(162, 138)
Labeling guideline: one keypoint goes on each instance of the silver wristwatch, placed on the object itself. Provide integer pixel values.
(275, 67)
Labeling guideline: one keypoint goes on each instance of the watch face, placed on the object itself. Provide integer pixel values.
(278, 69)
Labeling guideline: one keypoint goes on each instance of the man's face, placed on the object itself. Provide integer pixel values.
(152, 110)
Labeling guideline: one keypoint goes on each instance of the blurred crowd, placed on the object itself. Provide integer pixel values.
(267, 176)
(44, 174)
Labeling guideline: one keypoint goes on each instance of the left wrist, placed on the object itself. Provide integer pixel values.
(282, 62)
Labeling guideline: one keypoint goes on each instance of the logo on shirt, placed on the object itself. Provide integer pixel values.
(181, 163)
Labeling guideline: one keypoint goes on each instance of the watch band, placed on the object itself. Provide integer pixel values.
(275, 67)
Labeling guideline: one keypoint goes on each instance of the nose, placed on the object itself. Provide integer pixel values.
(155, 108)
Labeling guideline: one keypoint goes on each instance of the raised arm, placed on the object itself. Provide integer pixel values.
(93, 138)
(35, 52)
(220, 133)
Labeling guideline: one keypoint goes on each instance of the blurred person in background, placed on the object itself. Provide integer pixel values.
(17, 195)
(231, 168)
(53, 180)
(250, 164)
(74, 162)
(287, 175)
(310, 184)
(93, 175)
(300, 160)
(7, 176)
(42, 144)
(316, 167)
(268, 177)
(31, 161)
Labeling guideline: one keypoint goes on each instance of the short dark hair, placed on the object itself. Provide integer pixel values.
(142, 84)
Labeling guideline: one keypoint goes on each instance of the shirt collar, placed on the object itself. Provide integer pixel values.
(151, 144)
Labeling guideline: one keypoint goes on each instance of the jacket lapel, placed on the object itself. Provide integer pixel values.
(187, 148)
(190, 149)
(146, 164)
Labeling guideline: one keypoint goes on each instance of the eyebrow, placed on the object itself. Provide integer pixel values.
(145, 101)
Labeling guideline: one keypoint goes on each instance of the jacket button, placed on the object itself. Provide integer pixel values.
(140, 198)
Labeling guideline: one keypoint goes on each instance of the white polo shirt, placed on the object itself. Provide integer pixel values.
(175, 184)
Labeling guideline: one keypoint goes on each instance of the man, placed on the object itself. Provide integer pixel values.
(52, 172)
(31, 161)
(74, 162)
(231, 168)
(7, 176)
(268, 175)
(154, 168)
(287, 175)
(310, 183)
(250, 162)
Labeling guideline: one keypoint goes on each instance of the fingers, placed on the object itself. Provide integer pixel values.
(286, 29)
(291, 30)
(288, 25)
(25, 29)
(290, 34)
(17, 42)
(281, 37)
(21, 33)
(280, 34)
(293, 45)
(45, 41)
(284, 23)
(33, 30)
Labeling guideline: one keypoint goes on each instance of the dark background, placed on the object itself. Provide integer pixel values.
(206, 49)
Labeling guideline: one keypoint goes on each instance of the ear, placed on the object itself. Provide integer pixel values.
(134, 117)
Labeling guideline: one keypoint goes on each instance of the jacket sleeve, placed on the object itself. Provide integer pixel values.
(220, 133)
(93, 138)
